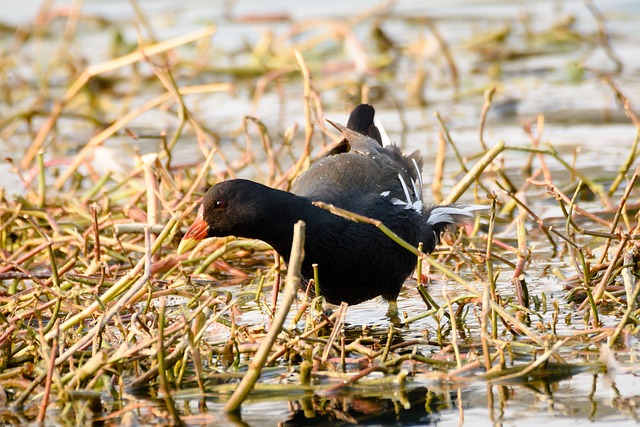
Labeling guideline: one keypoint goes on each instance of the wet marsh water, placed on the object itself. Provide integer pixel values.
(548, 64)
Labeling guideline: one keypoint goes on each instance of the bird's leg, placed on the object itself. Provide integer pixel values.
(392, 310)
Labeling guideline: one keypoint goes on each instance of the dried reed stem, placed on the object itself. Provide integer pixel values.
(291, 286)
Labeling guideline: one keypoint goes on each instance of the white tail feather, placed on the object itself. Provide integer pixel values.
(453, 214)
(383, 133)
(409, 203)
(417, 191)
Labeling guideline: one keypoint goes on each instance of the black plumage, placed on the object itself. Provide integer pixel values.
(356, 261)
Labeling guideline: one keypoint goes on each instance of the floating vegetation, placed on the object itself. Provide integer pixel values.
(107, 157)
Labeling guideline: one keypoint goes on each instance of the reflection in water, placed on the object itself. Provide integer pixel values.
(581, 397)
(416, 407)
(426, 406)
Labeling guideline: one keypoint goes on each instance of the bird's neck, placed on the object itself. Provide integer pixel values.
(290, 208)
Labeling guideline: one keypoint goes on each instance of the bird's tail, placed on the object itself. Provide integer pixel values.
(439, 217)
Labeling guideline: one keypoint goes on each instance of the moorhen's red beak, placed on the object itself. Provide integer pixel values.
(195, 233)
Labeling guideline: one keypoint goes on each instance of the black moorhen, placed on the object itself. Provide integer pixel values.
(356, 261)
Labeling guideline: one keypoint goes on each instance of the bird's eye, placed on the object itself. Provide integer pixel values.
(219, 204)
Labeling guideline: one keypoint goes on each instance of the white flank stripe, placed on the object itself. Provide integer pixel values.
(419, 173)
(405, 189)
(416, 190)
